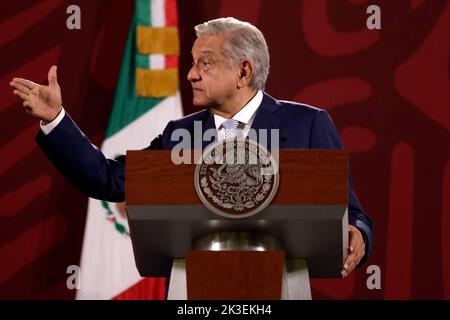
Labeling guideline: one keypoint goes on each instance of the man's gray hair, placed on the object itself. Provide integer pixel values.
(244, 41)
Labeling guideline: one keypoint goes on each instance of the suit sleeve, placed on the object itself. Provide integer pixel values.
(83, 164)
(162, 141)
(324, 135)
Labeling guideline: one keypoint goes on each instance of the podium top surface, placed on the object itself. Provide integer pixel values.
(306, 177)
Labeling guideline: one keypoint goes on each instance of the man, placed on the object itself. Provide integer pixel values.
(228, 75)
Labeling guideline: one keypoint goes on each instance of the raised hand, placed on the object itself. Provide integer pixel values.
(40, 101)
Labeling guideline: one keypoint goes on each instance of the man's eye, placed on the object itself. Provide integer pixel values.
(205, 63)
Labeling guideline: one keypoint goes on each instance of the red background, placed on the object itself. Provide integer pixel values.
(388, 92)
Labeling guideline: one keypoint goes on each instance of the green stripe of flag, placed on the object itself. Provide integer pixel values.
(143, 12)
(142, 61)
(127, 106)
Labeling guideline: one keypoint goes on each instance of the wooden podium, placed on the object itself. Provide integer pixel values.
(246, 258)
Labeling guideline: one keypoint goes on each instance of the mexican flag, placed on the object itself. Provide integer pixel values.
(146, 98)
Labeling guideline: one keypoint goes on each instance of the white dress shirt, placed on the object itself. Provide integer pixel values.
(47, 128)
(245, 116)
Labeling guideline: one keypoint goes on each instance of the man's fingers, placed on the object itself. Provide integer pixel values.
(350, 263)
(349, 260)
(354, 245)
(355, 240)
(348, 268)
(27, 83)
(356, 250)
(21, 95)
(52, 77)
(19, 87)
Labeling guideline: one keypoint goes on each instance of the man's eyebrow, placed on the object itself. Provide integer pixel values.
(203, 52)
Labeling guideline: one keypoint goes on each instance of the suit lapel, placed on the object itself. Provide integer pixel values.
(208, 123)
(266, 118)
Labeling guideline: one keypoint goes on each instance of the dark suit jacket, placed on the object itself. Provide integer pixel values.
(301, 126)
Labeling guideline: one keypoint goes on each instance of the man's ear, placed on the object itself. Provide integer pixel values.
(245, 73)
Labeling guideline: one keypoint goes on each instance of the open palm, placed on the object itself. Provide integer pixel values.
(42, 102)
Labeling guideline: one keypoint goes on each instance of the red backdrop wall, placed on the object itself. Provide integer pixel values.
(387, 90)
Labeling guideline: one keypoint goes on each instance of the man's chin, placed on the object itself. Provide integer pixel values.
(199, 103)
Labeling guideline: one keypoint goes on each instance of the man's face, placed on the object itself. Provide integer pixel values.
(213, 82)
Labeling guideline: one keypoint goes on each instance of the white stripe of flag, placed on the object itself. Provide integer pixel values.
(158, 13)
(156, 61)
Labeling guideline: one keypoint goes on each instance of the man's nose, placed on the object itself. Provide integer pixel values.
(193, 74)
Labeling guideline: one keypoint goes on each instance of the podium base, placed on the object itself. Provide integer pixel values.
(295, 286)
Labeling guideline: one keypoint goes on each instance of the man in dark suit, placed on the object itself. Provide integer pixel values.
(228, 75)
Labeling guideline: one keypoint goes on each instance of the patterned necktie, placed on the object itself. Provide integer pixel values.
(230, 126)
